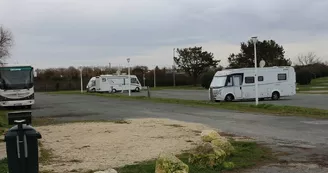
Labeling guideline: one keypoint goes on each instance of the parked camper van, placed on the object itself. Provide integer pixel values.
(238, 84)
(113, 83)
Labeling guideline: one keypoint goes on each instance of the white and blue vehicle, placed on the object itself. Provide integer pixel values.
(16, 86)
(239, 84)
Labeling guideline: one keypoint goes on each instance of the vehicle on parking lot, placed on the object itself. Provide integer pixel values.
(238, 84)
(113, 83)
(16, 86)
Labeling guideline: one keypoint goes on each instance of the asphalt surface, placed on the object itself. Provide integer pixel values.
(305, 139)
(319, 101)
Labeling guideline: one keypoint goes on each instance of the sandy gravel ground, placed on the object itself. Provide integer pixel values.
(92, 146)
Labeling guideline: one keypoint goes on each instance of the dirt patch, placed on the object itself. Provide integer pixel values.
(93, 146)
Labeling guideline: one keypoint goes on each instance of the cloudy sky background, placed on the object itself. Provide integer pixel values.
(60, 33)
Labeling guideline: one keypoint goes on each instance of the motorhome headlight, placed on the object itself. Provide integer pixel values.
(217, 92)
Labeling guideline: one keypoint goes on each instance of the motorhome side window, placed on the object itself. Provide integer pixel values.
(249, 79)
(229, 81)
(260, 78)
(103, 79)
(134, 80)
(282, 76)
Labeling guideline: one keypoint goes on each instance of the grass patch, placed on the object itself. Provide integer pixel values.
(319, 84)
(261, 108)
(46, 155)
(3, 166)
(183, 87)
(246, 155)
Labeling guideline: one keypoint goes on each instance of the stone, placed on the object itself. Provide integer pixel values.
(107, 171)
(223, 144)
(209, 135)
(168, 163)
(207, 155)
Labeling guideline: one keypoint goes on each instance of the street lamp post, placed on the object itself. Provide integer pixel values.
(129, 76)
(155, 77)
(81, 68)
(173, 67)
(255, 75)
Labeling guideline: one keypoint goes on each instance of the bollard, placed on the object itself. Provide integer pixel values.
(211, 95)
(148, 91)
(22, 144)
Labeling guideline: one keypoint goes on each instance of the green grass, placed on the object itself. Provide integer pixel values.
(319, 82)
(183, 87)
(261, 108)
(3, 166)
(246, 155)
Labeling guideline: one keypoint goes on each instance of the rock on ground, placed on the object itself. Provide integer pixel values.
(223, 144)
(209, 135)
(168, 163)
(207, 155)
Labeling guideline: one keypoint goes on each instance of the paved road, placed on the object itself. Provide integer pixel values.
(306, 139)
(304, 100)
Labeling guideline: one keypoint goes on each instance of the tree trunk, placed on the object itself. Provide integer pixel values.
(195, 80)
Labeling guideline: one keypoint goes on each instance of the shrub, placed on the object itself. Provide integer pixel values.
(207, 79)
(304, 76)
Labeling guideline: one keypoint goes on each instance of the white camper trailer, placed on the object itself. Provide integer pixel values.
(113, 83)
(238, 84)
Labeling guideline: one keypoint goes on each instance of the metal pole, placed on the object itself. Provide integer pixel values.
(155, 77)
(129, 79)
(173, 67)
(81, 80)
(144, 79)
(256, 79)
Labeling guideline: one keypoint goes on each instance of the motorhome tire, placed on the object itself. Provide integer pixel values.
(114, 91)
(93, 90)
(137, 89)
(275, 95)
(229, 98)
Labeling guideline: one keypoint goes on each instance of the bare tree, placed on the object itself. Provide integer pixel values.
(6, 41)
(307, 59)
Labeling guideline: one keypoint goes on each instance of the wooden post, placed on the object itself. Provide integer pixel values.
(211, 94)
(148, 91)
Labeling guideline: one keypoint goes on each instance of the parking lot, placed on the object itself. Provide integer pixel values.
(305, 139)
(304, 100)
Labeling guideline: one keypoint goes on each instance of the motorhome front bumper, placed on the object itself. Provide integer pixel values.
(17, 103)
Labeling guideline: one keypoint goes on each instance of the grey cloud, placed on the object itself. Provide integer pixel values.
(84, 28)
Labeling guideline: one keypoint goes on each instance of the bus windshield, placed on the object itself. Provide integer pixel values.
(16, 78)
(218, 81)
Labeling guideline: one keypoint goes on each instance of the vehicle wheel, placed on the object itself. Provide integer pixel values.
(275, 95)
(93, 90)
(229, 98)
(114, 91)
(137, 89)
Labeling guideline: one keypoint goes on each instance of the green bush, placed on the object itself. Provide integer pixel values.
(304, 76)
(207, 79)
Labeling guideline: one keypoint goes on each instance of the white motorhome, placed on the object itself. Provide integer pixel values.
(113, 83)
(238, 84)
(16, 86)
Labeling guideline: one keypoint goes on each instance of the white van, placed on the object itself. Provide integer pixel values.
(113, 83)
(238, 84)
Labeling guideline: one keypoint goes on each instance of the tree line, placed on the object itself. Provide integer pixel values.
(195, 66)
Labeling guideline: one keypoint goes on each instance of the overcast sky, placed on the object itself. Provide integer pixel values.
(60, 33)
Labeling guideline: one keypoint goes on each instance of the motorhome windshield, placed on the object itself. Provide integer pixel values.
(219, 81)
(16, 78)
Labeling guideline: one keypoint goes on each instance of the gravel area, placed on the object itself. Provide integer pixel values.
(92, 146)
